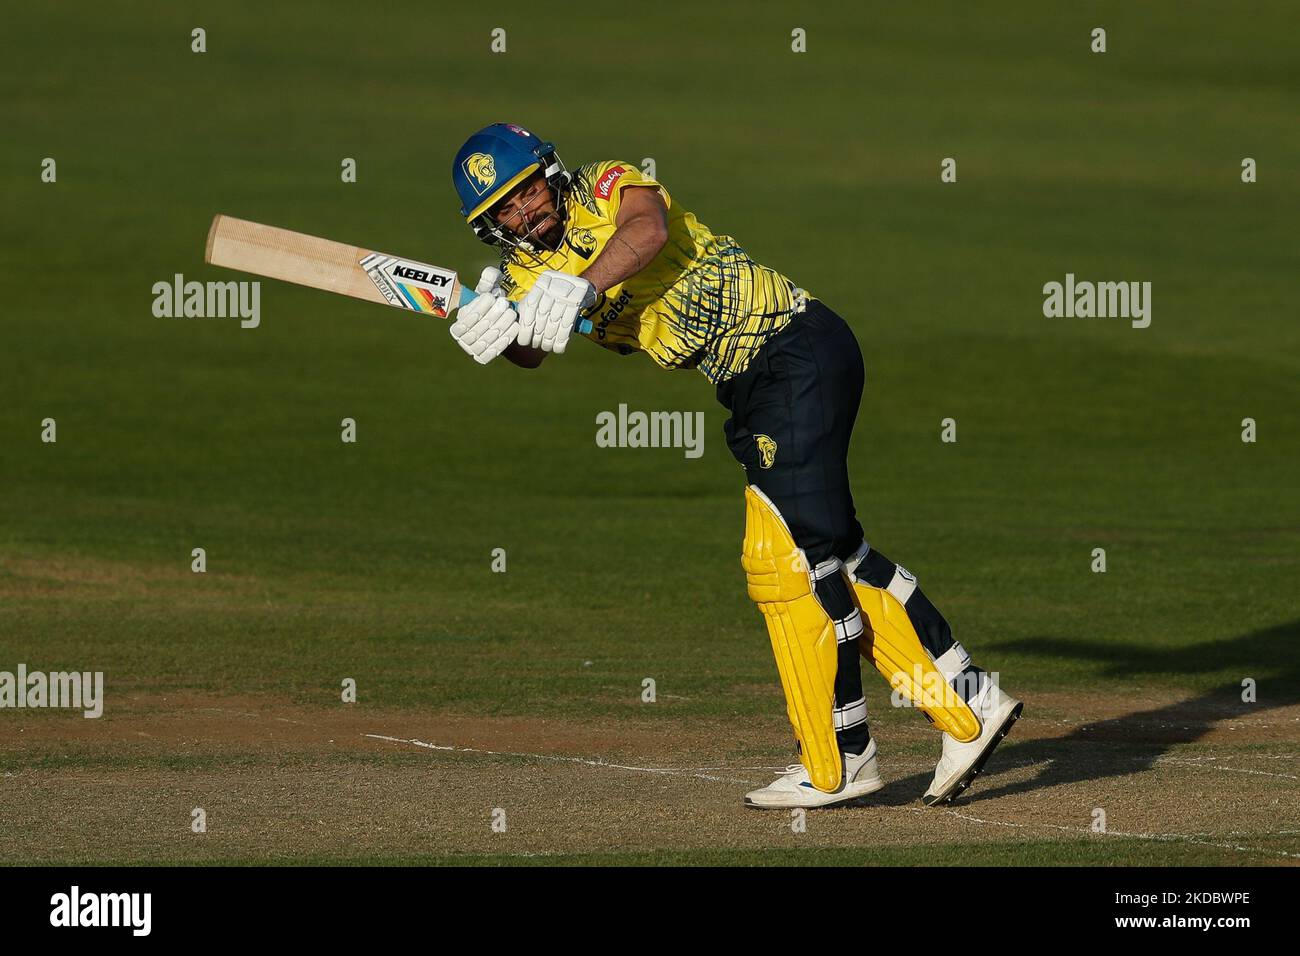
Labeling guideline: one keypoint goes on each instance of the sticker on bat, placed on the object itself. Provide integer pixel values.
(411, 285)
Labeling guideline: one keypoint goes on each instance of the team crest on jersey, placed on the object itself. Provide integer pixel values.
(481, 171)
(766, 451)
(582, 241)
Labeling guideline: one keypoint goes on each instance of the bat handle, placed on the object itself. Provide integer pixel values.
(468, 295)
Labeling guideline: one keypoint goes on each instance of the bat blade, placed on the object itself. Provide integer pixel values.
(337, 267)
(333, 266)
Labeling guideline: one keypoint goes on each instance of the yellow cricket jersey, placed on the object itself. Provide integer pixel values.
(701, 303)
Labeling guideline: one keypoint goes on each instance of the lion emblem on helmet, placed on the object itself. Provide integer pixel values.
(481, 170)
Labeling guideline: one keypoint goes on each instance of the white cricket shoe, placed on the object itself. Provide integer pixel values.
(793, 788)
(960, 762)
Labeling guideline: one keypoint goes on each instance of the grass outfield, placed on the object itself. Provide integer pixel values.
(372, 560)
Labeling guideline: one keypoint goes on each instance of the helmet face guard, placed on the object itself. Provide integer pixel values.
(529, 244)
(492, 164)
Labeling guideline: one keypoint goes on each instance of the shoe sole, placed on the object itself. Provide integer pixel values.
(842, 802)
(966, 779)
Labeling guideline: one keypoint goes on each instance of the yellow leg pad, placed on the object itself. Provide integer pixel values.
(895, 649)
(803, 636)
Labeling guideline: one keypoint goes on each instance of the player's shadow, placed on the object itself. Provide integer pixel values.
(1131, 743)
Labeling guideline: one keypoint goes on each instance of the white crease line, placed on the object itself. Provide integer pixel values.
(1162, 837)
(1209, 723)
(1197, 763)
(1233, 756)
(679, 771)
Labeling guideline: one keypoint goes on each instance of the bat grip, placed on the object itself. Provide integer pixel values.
(467, 295)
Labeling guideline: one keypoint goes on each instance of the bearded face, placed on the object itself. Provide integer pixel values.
(530, 213)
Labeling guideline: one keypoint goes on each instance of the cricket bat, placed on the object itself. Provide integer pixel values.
(336, 267)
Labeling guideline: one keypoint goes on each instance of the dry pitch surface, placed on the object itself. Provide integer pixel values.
(1179, 783)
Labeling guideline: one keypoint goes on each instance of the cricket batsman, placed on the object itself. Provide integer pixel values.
(605, 242)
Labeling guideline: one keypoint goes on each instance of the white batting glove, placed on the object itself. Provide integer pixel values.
(550, 309)
(489, 280)
(486, 326)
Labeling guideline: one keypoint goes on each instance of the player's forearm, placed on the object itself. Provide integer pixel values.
(629, 250)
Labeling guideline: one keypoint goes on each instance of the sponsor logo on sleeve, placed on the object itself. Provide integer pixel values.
(605, 185)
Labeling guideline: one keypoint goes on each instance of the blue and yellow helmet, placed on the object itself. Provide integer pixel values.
(494, 161)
